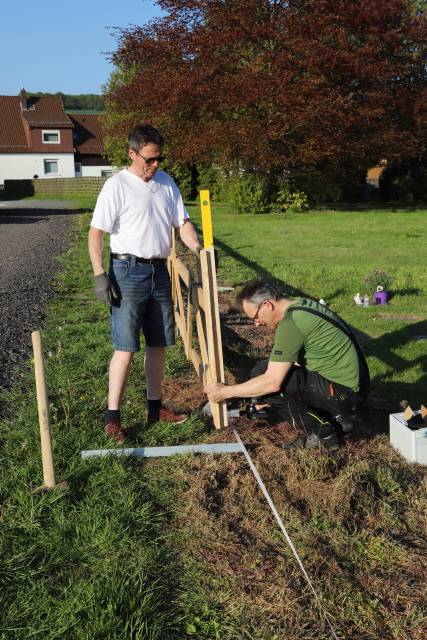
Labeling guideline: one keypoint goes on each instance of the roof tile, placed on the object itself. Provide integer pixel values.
(88, 133)
(44, 111)
(12, 132)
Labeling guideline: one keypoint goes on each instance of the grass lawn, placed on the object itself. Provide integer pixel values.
(186, 547)
(327, 255)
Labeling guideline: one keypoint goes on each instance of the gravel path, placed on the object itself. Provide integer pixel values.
(32, 233)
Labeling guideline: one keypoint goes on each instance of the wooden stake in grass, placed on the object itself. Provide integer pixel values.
(43, 409)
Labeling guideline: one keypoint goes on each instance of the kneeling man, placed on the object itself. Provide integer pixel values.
(315, 364)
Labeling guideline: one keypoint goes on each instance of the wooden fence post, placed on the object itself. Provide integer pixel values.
(201, 304)
(43, 410)
(215, 370)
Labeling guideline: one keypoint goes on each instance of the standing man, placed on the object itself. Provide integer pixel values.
(315, 364)
(138, 207)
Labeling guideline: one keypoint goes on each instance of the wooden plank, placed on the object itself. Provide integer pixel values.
(216, 321)
(212, 320)
(171, 265)
(186, 277)
(189, 333)
(215, 371)
(197, 363)
(198, 304)
(179, 293)
(197, 293)
(177, 269)
(201, 330)
(183, 271)
(181, 325)
(180, 312)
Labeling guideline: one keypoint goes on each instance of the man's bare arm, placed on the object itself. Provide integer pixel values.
(269, 382)
(96, 250)
(188, 234)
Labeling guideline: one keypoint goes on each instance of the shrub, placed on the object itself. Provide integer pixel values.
(288, 199)
(248, 193)
(378, 278)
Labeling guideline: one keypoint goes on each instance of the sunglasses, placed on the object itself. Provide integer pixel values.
(151, 160)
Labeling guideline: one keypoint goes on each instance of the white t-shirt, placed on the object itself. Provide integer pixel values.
(139, 215)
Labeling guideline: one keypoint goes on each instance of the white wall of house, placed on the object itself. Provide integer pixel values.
(91, 172)
(19, 166)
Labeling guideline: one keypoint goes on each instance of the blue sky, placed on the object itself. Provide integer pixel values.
(49, 45)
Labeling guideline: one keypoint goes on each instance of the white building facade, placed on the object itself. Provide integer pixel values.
(25, 166)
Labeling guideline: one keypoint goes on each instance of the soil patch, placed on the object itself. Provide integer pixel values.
(343, 520)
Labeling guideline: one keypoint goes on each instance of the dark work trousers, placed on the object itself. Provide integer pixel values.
(305, 395)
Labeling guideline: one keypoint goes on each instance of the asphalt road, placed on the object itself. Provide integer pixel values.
(32, 233)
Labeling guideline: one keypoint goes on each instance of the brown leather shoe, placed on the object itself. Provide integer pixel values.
(114, 431)
(164, 415)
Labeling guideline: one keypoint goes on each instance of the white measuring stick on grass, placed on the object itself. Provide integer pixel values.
(285, 533)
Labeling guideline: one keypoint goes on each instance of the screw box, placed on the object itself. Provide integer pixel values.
(411, 444)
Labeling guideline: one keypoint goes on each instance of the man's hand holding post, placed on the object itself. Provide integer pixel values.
(216, 391)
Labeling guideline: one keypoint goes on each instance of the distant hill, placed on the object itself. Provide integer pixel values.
(81, 102)
(86, 112)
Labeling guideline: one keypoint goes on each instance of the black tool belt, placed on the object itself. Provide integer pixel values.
(129, 256)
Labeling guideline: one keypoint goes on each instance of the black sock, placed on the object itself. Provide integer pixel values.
(154, 405)
(112, 414)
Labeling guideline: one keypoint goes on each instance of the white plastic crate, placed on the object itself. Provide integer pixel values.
(411, 444)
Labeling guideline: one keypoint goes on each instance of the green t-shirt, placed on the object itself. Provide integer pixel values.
(316, 344)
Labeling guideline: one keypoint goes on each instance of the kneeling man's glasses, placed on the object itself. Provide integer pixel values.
(255, 317)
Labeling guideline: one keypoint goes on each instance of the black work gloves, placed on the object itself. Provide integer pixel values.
(105, 289)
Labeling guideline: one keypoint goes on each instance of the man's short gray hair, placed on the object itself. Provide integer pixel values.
(144, 134)
(257, 291)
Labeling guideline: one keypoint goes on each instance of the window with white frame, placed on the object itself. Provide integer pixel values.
(50, 167)
(106, 173)
(51, 136)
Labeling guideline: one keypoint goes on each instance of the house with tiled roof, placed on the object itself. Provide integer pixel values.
(88, 136)
(39, 140)
(36, 138)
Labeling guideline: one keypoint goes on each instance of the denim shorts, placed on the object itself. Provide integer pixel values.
(144, 304)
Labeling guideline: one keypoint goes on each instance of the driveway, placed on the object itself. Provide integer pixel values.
(32, 233)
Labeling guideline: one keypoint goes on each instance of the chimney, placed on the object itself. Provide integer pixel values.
(23, 99)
